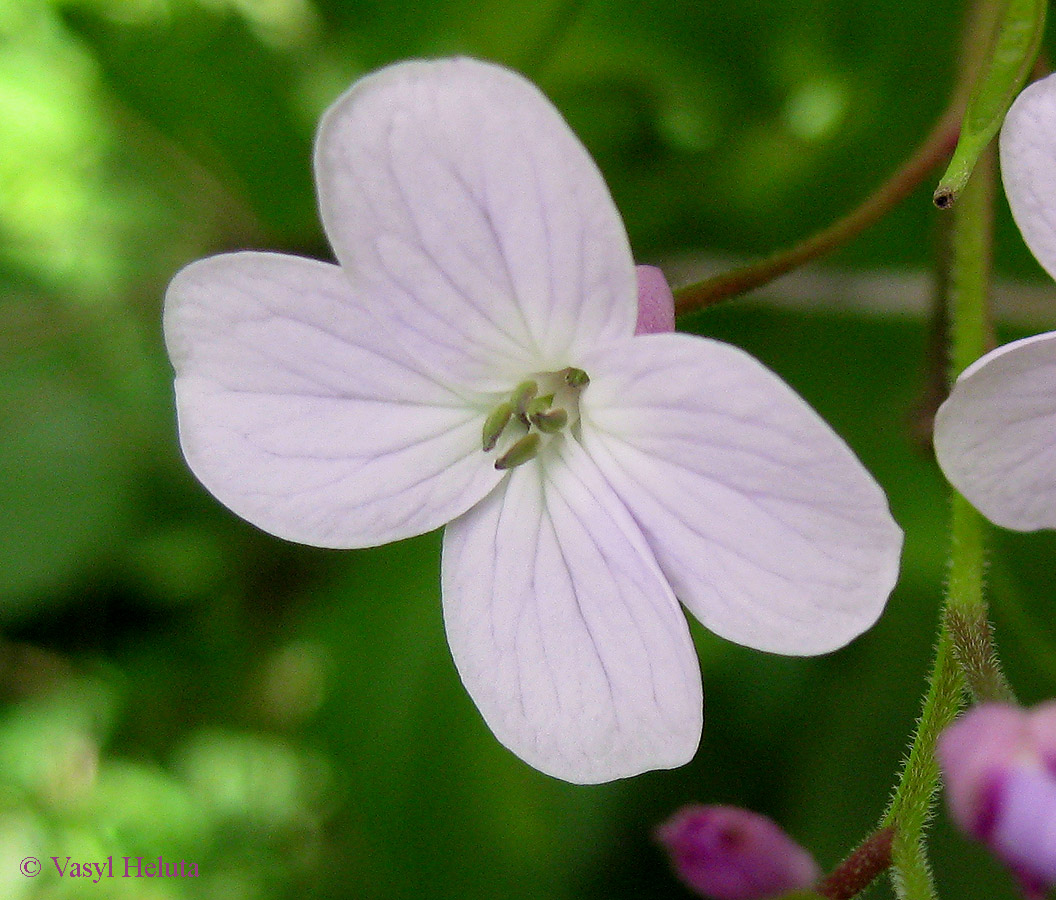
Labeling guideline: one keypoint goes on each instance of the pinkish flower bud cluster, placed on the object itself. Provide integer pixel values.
(728, 853)
(999, 763)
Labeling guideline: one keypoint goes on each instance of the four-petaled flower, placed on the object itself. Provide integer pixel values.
(473, 361)
(995, 436)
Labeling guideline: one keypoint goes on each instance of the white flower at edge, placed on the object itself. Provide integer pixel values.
(995, 437)
(343, 406)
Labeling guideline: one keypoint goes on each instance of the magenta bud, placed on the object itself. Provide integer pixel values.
(656, 304)
(728, 853)
(999, 764)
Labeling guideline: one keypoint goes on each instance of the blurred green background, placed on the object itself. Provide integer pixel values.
(174, 682)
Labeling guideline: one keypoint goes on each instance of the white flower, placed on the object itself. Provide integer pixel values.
(995, 437)
(345, 406)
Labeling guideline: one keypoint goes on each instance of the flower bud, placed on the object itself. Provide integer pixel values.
(728, 853)
(999, 763)
(656, 305)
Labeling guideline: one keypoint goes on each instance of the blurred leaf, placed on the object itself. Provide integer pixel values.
(204, 82)
(63, 489)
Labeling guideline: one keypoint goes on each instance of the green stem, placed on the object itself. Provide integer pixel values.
(971, 250)
(911, 806)
(964, 655)
(966, 612)
(937, 148)
(966, 615)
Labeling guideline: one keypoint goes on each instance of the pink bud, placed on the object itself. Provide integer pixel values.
(728, 853)
(999, 763)
(656, 305)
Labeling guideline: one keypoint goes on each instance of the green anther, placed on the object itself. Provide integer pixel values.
(574, 377)
(550, 421)
(495, 424)
(522, 451)
(539, 405)
(523, 394)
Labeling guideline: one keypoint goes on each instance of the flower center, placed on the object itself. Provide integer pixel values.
(544, 405)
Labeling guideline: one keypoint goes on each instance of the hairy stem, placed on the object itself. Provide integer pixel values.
(971, 335)
(861, 868)
(966, 614)
(911, 807)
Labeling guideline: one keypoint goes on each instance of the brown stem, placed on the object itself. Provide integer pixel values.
(937, 356)
(870, 859)
(936, 149)
(1042, 65)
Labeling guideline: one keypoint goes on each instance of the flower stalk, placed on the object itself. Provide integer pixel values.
(870, 859)
(999, 48)
(935, 150)
(966, 613)
(911, 806)
(964, 655)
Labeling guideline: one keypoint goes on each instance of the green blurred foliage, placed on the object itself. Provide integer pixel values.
(176, 683)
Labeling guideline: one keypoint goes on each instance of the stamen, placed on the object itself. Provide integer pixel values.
(495, 424)
(522, 396)
(522, 451)
(574, 377)
(538, 405)
(550, 421)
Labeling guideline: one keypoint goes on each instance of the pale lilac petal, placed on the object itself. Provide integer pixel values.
(563, 629)
(1042, 724)
(656, 304)
(1028, 167)
(982, 742)
(997, 763)
(299, 414)
(995, 436)
(1024, 835)
(767, 526)
(463, 206)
